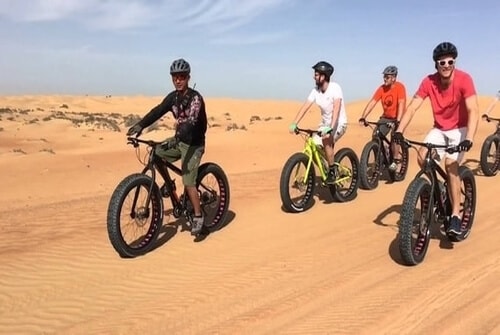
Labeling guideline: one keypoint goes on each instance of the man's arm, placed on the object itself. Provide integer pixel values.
(157, 112)
(368, 108)
(413, 106)
(303, 109)
(473, 108)
(401, 103)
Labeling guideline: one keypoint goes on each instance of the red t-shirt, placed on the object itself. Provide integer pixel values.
(390, 96)
(448, 105)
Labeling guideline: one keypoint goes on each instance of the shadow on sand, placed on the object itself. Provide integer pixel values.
(436, 232)
(321, 193)
(169, 230)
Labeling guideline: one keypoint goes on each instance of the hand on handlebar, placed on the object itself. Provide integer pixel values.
(393, 125)
(362, 122)
(465, 145)
(292, 128)
(325, 131)
(135, 129)
(398, 137)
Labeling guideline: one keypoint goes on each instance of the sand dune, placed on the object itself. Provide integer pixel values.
(334, 269)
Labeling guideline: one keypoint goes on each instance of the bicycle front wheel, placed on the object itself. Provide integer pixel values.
(296, 188)
(133, 222)
(490, 156)
(370, 166)
(415, 221)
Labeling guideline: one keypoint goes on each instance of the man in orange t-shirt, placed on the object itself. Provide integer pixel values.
(392, 95)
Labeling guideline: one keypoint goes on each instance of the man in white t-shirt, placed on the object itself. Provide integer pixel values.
(328, 96)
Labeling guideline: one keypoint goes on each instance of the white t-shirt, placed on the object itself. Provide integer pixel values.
(325, 103)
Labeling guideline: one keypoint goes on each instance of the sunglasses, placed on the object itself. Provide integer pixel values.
(180, 77)
(445, 62)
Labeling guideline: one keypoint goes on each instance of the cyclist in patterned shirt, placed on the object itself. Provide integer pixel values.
(188, 144)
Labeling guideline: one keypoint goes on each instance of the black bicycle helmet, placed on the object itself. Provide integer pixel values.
(324, 68)
(391, 70)
(180, 66)
(444, 49)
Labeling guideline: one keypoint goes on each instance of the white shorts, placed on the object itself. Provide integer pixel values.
(447, 137)
(337, 133)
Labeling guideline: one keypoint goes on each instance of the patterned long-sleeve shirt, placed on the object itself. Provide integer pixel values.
(188, 110)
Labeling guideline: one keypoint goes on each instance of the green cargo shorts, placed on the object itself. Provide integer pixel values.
(190, 157)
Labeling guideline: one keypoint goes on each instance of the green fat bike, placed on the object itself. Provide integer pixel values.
(298, 177)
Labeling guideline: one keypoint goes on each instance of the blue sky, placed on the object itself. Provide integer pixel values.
(256, 49)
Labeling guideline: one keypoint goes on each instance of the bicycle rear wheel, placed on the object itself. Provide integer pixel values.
(214, 193)
(402, 168)
(144, 219)
(347, 181)
(467, 202)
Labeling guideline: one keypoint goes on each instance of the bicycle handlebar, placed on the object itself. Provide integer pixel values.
(379, 123)
(309, 132)
(448, 148)
(166, 145)
(489, 118)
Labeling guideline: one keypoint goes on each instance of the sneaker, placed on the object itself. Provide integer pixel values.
(394, 164)
(455, 225)
(332, 175)
(197, 225)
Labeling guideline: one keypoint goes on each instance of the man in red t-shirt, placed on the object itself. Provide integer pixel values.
(456, 113)
(392, 94)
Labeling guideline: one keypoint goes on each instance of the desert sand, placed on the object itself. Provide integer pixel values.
(334, 269)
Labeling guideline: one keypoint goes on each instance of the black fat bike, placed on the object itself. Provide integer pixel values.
(490, 150)
(377, 156)
(137, 202)
(427, 202)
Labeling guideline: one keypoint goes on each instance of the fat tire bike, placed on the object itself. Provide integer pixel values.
(144, 199)
(430, 189)
(343, 189)
(379, 149)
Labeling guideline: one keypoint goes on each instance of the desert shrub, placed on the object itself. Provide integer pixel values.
(130, 120)
(21, 151)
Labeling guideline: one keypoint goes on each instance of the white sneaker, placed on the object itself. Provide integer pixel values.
(198, 222)
(393, 166)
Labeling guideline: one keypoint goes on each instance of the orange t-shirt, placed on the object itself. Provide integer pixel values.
(390, 97)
